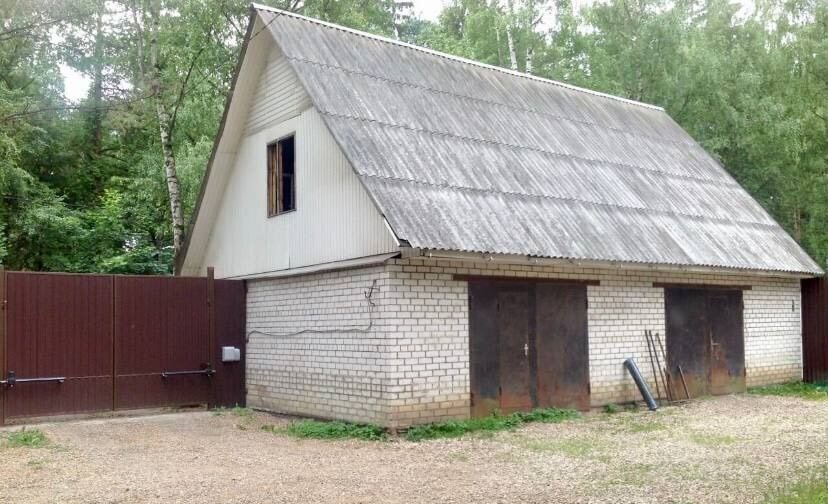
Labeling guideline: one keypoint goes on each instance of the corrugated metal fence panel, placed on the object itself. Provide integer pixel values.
(3, 311)
(229, 388)
(59, 326)
(815, 329)
(161, 324)
(110, 338)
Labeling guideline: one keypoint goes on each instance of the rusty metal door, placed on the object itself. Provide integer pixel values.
(687, 342)
(484, 357)
(58, 344)
(726, 342)
(705, 337)
(528, 346)
(513, 346)
(562, 346)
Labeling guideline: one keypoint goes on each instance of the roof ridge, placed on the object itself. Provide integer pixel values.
(452, 57)
(487, 101)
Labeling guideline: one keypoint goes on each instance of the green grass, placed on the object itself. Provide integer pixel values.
(575, 448)
(489, 424)
(640, 426)
(31, 438)
(811, 489)
(235, 411)
(611, 409)
(810, 391)
(315, 429)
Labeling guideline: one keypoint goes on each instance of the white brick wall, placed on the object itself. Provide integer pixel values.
(412, 366)
(333, 372)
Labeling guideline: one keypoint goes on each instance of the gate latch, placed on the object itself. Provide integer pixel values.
(10, 380)
(206, 370)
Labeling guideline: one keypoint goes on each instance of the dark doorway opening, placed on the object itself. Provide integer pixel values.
(528, 346)
(705, 336)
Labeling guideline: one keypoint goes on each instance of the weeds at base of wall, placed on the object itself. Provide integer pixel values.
(810, 391)
(812, 488)
(613, 408)
(25, 438)
(315, 429)
(494, 422)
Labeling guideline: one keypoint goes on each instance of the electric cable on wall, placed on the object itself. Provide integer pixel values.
(369, 294)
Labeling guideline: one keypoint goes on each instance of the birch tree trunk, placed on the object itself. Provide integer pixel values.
(530, 54)
(511, 42)
(499, 48)
(165, 131)
(510, 37)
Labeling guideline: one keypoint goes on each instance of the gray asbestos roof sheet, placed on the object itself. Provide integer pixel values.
(460, 156)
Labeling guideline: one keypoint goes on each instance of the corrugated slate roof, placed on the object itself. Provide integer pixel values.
(467, 157)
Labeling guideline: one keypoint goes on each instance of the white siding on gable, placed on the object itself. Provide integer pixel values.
(279, 95)
(335, 219)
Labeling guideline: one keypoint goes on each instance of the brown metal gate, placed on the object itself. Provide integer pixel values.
(815, 329)
(72, 344)
(528, 345)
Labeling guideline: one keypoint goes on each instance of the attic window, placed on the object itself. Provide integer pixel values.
(281, 177)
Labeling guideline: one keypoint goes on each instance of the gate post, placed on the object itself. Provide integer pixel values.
(211, 332)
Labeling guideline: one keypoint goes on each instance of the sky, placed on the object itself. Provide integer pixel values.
(429, 9)
(76, 85)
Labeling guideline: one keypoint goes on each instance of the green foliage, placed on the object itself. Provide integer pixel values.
(26, 438)
(314, 429)
(82, 184)
(811, 488)
(611, 409)
(492, 423)
(810, 391)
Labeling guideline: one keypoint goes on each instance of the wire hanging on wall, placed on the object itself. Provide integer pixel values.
(369, 294)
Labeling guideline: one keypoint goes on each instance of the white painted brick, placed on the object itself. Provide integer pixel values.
(413, 366)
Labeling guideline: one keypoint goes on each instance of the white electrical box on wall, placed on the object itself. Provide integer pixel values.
(230, 354)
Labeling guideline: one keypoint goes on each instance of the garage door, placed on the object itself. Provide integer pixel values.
(528, 345)
(705, 338)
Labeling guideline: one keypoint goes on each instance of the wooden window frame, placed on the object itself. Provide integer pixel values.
(275, 178)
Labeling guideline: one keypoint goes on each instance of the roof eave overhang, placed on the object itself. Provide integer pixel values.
(524, 260)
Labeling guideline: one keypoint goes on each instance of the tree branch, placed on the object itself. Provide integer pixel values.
(84, 108)
(182, 91)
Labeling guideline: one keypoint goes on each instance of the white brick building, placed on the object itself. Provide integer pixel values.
(426, 237)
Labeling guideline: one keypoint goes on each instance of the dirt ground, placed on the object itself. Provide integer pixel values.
(728, 449)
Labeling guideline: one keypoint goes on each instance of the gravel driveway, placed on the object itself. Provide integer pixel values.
(728, 449)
